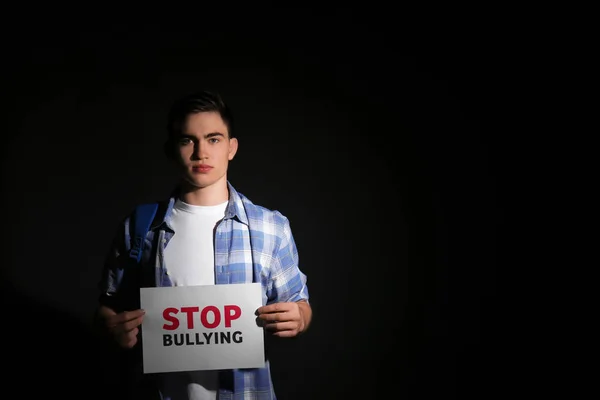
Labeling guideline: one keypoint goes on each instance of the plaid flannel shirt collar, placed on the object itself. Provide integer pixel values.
(235, 208)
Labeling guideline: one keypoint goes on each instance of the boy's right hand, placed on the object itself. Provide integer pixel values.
(124, 327)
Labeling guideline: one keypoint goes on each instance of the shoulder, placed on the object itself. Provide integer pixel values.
(263, 218)
(148, 214)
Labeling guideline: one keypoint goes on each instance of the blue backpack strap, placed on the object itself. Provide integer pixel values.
(142, 219)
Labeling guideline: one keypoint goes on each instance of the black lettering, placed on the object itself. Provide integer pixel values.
(237, 337)
(198, 339)
(180, 339)
(178, 342)
(226, 337)
(187, 339)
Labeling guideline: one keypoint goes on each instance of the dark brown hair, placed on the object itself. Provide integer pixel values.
(201, 101)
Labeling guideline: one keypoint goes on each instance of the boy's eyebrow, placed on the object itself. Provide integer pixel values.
(213, 134)
(206, 136)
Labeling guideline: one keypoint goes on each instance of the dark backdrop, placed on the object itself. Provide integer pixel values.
(371, 141)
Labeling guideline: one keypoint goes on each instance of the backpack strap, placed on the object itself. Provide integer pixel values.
(142, 218)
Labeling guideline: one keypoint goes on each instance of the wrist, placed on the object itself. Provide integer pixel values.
(305, 315)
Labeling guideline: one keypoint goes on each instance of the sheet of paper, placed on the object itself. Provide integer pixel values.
(189, 328)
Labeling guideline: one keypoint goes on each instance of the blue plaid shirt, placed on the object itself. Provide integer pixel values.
(252, 244)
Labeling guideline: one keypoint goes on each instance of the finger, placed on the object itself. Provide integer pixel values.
(282, 326)
(127, 326)
(129, 339)
(274, 317)
(274, 308)
(130, 325)
(124, 317)
(127, 316)
(131, 343)
(286, 334)
(289, 329)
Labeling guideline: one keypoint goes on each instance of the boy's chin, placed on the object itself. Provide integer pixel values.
(191, 183)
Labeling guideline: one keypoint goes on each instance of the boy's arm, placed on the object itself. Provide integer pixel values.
(288, 312)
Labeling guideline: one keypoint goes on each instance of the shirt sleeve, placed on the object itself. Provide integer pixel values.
(288, 282)
(114, 266)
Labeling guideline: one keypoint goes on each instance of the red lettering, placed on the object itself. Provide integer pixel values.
(204, 320)
(190, 315)
(231, 312)
(167, 316)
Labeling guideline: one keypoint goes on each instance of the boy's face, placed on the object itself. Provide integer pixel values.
(203, 150)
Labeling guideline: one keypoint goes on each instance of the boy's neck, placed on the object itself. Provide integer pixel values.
(212, 195)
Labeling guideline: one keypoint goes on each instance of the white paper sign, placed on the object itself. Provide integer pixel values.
(190, 328)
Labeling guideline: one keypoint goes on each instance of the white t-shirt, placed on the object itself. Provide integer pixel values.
(190, 261)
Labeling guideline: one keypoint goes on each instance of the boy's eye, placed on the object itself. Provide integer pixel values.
(184, 141)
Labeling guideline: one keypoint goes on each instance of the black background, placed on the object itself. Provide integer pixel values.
(371, 136)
